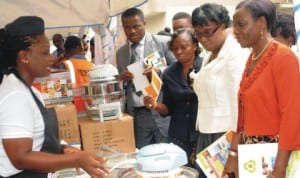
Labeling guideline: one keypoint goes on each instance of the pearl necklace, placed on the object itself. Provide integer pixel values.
(261, 52)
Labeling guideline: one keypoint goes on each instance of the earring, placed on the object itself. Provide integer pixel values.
(25, 61)
(261, 34)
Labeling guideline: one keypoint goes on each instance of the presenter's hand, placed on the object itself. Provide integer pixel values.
(92, 164)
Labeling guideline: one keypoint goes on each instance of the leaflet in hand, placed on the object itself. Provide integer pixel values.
(140, 80)
(155, 60)
(213, 159)
(155, 85)
(258, 160)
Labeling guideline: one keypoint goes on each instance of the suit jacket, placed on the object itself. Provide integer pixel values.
(152, 43)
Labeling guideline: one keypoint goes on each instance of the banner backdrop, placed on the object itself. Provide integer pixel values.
(65, 16)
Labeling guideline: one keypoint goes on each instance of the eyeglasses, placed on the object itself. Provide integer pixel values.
(207, 34)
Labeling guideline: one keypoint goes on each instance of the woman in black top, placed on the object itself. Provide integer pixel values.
(179, 99)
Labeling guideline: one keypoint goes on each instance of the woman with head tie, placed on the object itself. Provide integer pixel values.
(29, 145)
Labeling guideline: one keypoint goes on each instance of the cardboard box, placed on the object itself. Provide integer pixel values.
(67, 123)
(55, 88)
(116, 133)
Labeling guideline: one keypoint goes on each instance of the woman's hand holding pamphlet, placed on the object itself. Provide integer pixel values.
(212, 159)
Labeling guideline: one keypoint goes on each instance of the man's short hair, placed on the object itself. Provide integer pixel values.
(181, 15)
(72, 42)
(133, 12)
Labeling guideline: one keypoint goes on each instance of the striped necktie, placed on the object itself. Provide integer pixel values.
(133, 53)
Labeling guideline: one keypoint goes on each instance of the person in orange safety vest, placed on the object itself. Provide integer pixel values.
(76, 63)
(78, 67)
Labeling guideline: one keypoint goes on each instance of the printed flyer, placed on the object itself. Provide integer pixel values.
(155, 85)
(257, 160)
(212, 159)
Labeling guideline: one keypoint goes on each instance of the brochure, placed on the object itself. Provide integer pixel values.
(257, 160)
(140, 81)
(155, 60)
(212, 159)
(155, 85)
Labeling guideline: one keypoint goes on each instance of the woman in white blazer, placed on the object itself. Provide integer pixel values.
(217, 82)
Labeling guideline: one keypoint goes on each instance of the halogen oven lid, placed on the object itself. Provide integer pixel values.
(102, 73)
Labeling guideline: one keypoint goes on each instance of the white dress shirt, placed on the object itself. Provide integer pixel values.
(138, 101)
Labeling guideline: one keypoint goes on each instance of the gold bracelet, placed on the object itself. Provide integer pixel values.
(233, 153)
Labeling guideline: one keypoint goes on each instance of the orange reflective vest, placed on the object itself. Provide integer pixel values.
(78, 69)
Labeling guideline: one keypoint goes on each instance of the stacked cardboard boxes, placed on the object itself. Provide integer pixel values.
(67, 123)
(90, 134)
(115, 133)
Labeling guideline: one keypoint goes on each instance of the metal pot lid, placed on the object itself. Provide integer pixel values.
(103, 72)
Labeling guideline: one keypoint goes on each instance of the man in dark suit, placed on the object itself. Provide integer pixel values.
(149, 126)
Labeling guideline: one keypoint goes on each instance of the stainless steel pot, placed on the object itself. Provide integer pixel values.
(99, 92)
(103, 89)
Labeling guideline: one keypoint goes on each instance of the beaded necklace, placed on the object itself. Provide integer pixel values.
(261, 52)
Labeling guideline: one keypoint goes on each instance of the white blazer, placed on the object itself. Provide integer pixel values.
(216, 86)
